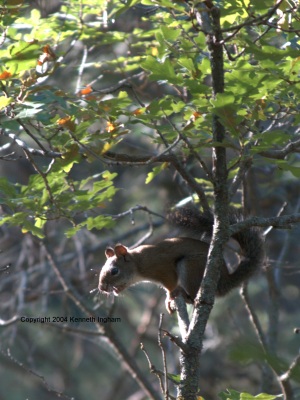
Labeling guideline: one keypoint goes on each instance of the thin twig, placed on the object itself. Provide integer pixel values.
(176, 340)
(12, 359)
(76, 331)
(67, 289)
(123, 84)
(191, 148)
(164, 358)
(41, 173)
(253, 317)
(291, 147)
(152, 368)
(147, 235)
(10, 321)
(31, 135)
(81, 68)
(244, 166)
(134, 209)
(34, 152)
(280, 212)
(289, 373)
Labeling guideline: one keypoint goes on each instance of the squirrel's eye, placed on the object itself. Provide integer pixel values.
(114, 271)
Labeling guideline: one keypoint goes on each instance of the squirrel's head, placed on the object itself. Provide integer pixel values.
(119, 271)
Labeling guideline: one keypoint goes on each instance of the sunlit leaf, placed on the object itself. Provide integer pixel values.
(5, 101)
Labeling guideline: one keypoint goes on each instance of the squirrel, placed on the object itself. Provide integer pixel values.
(178, 263)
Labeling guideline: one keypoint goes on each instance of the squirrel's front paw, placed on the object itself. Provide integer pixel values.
(170, 304)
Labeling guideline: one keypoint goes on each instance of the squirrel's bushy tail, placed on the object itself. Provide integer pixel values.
(252, 246)
(200, 225)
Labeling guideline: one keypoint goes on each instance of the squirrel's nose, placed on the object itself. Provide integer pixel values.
(103, 287)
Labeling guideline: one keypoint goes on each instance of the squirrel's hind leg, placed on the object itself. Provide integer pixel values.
(190, 271)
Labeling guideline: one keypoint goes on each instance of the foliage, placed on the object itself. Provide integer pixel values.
(234, 395)
(100, 86)
(262, 85)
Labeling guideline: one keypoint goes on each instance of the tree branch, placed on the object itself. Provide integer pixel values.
(188, 389)
(256, 20)
(9, 357)
(281, 154)
(282, 222)
(34, 152)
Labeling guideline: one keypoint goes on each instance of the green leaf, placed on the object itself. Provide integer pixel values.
(225, 107)
(35, 230)
(5, 101)
(285, 166)
(22, 56)
(7, 188)
(231, 394)
(99, 222)
(270, 139)
(156, 170)
(170, 34)
(262, 6)
(223, 100)
(21, 219)
(187, 63)
(161, 70)
(264, 396)
(232, 11)
(174, 378)
(129, 4)
(29, 110)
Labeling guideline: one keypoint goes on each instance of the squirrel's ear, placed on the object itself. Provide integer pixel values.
(120, 250)
(109, 252)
